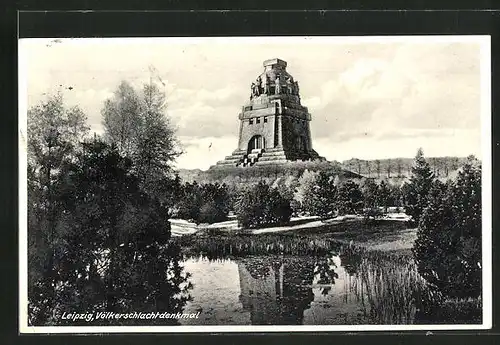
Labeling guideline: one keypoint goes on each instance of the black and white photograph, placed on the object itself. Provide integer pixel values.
(254, 184)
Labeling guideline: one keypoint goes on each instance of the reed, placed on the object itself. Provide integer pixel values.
(242, 245)
(390, 288)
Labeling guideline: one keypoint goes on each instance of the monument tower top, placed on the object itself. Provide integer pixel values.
(275, 63)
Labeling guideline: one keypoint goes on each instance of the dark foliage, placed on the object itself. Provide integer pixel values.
(107, 249)
(261, 206)
(324, 196)
(206, 203)
(349, 198)
(448, 246)
(418, 187)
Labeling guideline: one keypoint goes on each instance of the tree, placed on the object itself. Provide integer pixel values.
(448, 245)
(205, 203)
(156, 143)
(121, 119)
(467, 197)
(349, 198)
(262, 205)
(113, 251)
(418, 188)
(190, 201)
(368, 168)
(371, 200)
(395, 198)
(446, 167)
(369, 190)
(404, 190)
(358, 165)
(324, 195)
(54, 135)
(137, 124)
(384, 195)
(377, 164)
(286, 185)
(399, 167)
(389, 168)
(305, 189)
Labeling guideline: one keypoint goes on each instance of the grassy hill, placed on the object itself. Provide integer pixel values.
(395, 170)
(266, 173)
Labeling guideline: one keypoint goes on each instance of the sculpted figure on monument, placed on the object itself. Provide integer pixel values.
(255, 90)
(277, 89)
(266, 85)
(296, 87)
(289, 85)
(259, 84)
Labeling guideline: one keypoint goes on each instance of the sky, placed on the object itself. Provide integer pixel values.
(369, 97)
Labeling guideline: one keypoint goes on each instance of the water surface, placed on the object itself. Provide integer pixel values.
(329, 289)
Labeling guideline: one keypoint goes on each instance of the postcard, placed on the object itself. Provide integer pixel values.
(254, 184)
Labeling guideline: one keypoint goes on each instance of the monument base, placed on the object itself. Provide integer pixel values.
(260, 157)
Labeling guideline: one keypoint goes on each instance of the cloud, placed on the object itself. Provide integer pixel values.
(200, 120)
(201, 153)
(428, 88)
(391, 145)
(183, 95)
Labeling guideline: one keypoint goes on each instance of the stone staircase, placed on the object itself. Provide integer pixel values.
(251, 158)
(259, 157)
(233, 160)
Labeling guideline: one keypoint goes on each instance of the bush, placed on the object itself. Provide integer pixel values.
(453, 311)
(208, 213)
(207, 203)
(262, 206)
(372, 213)
(189, 204)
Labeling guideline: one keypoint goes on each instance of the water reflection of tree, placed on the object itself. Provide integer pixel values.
(325, 273)
(350, 258)
(276, 290)
(153, 281)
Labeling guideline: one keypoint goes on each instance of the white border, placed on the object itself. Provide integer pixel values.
(485, 47)
(486, 187)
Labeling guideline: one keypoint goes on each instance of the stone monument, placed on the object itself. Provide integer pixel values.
(274, 125)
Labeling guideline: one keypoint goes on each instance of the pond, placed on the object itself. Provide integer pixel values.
(267, 279)
(287, 281)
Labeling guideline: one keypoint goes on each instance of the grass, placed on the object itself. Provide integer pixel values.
(223, 245)
(218, 243)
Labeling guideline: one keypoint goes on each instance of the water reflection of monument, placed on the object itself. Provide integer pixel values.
(276, 291)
